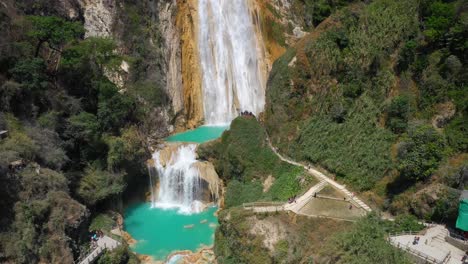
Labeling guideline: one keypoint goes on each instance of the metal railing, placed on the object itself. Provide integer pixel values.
(96, 252)
(262, 204)
(420, 254)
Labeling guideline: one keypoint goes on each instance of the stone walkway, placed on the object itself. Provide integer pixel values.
(322, 177)
(104, 242)
(302, 200)
(432, 246)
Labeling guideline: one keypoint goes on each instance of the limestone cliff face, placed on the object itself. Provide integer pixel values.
(186, 22)
(98, 16)
(172, 55)
(262, 18)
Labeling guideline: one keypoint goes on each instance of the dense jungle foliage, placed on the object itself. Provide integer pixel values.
(74, 141)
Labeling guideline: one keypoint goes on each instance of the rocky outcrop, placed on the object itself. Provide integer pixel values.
(172, 54)
(186, 23)
(99, 17)
(209, 175)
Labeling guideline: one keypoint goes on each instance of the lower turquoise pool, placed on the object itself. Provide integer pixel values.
(160, 232)
(199, 135)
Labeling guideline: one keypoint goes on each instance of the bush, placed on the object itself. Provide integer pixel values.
(420, 152)
(102, 222)
(120, 255)
(365, 243)
(457, 133)
(97, 185)
(398, 112)
(238, 193)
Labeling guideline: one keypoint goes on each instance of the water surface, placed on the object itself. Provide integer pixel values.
(159, 232)
(199, 135)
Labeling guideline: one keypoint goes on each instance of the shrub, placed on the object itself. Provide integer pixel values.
(398, 113)
(420, 152)
(238, 193)
(365, 243)
(97, 185)
(457, 133)
(102, 222)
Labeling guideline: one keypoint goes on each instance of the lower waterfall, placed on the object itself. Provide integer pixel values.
(179, 181)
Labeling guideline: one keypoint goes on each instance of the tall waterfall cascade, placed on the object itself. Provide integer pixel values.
(179, 181)
(230, 58)
(233, 80)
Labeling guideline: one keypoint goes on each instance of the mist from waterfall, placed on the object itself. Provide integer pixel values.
(179, 181)
(230, 61)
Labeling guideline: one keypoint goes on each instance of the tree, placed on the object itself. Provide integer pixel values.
(83, 126)
(96, 53)
(420, 152)
(31, 73)
(398, 112)
(365, 243)
(442, 16)
(97, 185)
(54, 31)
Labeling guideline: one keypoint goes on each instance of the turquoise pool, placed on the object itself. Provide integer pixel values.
(199, 135)
(160, 232)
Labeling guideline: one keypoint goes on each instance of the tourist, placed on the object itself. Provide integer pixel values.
(350, 207)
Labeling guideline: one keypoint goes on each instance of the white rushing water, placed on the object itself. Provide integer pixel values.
(230, 62)
(179, 181)
(232, 81)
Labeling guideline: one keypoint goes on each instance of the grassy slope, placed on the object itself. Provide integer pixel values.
(244, 160)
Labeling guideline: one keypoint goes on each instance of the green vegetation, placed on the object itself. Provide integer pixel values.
(420, 152)
(365, 243)
(243, 158)
(102, 222)
(73, 136)
(340, 101)
(120, 255)
(313, 12)
(298, 240)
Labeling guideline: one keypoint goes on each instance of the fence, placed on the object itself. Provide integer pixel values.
(91, 257)
(262, 204)
(421, 256)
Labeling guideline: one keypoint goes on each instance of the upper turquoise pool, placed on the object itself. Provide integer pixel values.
(199, 135)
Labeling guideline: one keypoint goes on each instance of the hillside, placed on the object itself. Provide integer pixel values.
(375, 94)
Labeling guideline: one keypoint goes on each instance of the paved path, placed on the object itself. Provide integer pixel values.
(321, 177)
(103, 243)
(431, 245)
(302, 200)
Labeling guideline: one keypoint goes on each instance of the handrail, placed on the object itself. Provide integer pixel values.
(262, 204)
(419, 254)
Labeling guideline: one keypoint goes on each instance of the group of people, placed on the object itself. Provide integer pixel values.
(292, 199)
(247, 113)
(95, 235)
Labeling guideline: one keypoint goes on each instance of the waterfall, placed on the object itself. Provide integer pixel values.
(232, 67)
(179, 181)
(230, 61)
